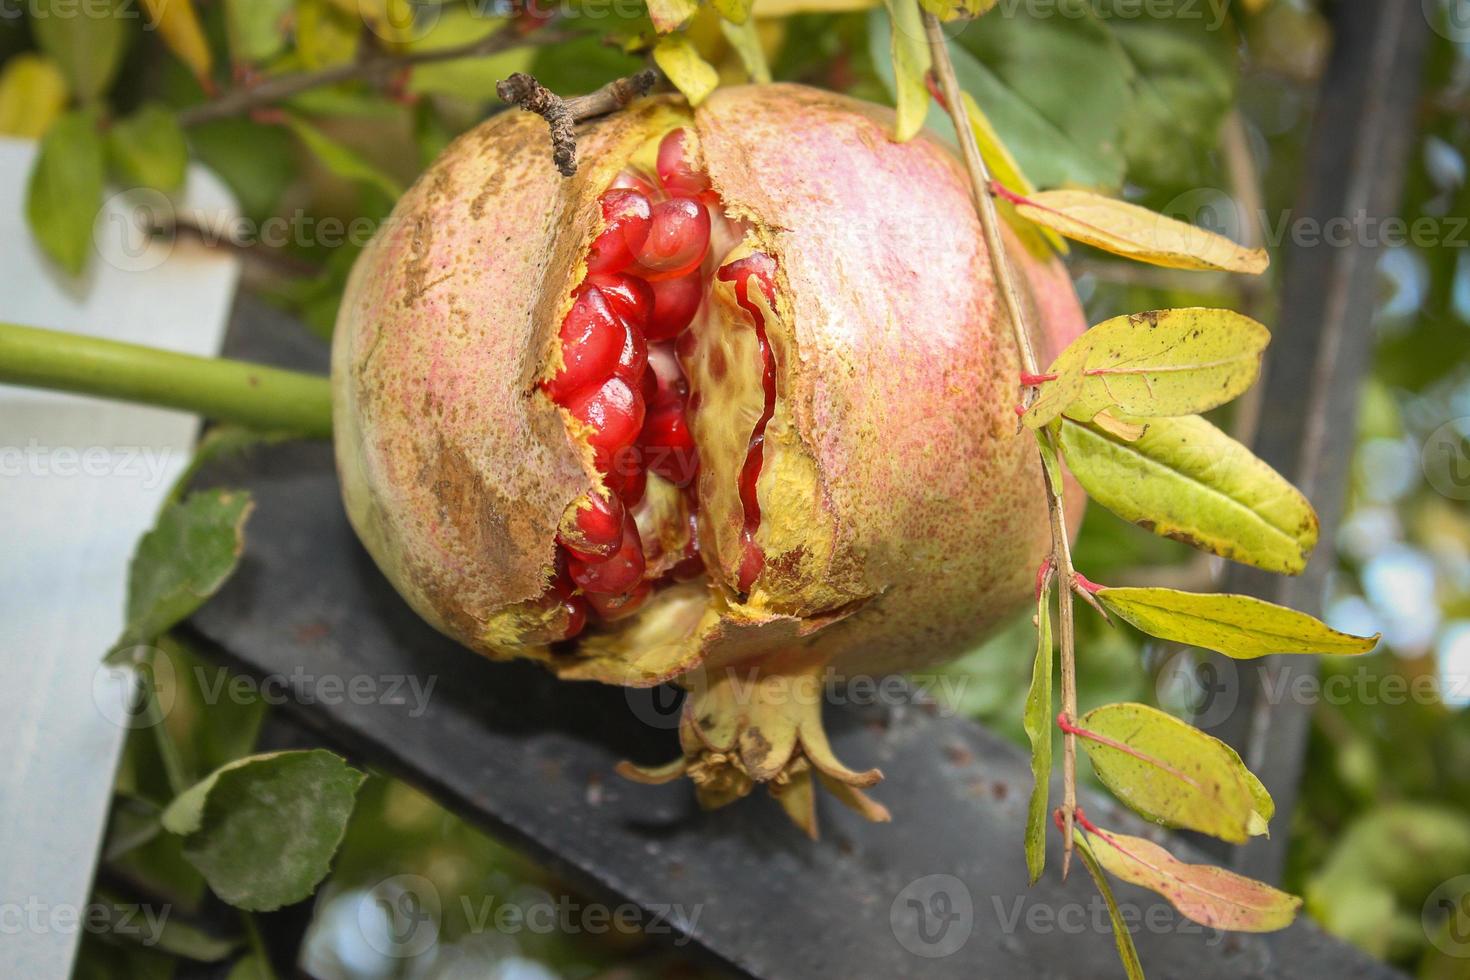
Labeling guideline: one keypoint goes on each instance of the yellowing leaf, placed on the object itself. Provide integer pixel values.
(745, 41)
(1210, 896)
(32, 95)
(955, 9)
(670, 15)
(911, 61)
(1003, 167)
(178, 24)
(1127, 952)
(735, 11)
(690, 73)
(1238, 626)
(1185, 479)
(787, 8)
(1135, 232)
(1172, 773)
(1122, 429)
(1165, 362)
(1037, 722)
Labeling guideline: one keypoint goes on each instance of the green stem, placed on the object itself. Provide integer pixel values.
(252, 395)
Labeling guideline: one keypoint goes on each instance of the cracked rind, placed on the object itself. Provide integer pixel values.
(896, 434)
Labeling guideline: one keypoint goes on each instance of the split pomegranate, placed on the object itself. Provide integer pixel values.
(732, 407)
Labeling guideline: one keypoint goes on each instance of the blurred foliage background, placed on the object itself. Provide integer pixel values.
(1198, 110)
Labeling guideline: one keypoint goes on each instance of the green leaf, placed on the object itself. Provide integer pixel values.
(1183, 84)
(1210, 896)
(911, 60)
(1185, 479)
(190, 552)
(1161, 363)
(325, 34)
(1063, 134)
(257, 161)
(1122, 936)
(948, 10)
(746, 42)
(340, 160)
(733, 11)
(1037, 720)
(257, 29)
(262, 830)
(147, 149)
(1172, 773)
(88, 45)
(32, 95)
(65, 190)
(470, 78)
(1238, 626)
(694, 77)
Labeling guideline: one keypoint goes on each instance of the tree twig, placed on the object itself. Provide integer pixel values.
(1061, 548)
(376, 68)
(562, 115)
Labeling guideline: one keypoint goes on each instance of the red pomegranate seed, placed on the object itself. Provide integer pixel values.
(614, 607)
(637, 180)
(561, 595)
(626, 475)
(678, 165)
(663, 383)
(678, 237)
(675, 301)
(633, 359)
(592, 528)
(592, 340)
(631, 298)
(627, 215)
(614, 411)
(668, 445)
(615, 575)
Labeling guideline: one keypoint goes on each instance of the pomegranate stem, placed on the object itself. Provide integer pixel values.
(231, 391)
(980, 191)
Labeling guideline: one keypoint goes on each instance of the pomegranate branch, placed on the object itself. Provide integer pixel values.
(253, 395)
(562, 115)
(1061, 549)
(375, 68)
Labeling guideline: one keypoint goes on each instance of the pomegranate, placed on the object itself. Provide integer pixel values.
(732, 407)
